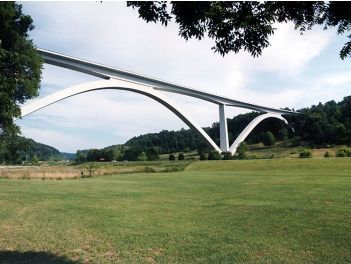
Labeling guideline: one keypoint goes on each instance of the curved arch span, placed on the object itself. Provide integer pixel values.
(251, 126)
(117, 84)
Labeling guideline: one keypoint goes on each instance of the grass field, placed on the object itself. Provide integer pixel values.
(250, 211)
(88, 170)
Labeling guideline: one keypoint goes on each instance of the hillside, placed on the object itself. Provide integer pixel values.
(17, 150)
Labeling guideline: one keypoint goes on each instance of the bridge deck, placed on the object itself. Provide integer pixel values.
(106, 72)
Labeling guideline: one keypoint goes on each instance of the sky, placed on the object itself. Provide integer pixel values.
(295, 71)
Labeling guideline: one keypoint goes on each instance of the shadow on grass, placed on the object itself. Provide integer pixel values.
(29, 257)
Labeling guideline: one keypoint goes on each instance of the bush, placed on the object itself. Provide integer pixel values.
(327, 154)
(305, 154)
(268, 139)
(342, 153)
(171, 157)
(227, 155)
(181, 156)
(214, 155)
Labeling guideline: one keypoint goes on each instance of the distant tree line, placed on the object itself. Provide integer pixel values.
(117, 153)
(18, 150)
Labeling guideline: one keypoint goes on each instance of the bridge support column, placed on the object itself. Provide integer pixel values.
(223, 129)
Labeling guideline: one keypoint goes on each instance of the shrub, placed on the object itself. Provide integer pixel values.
(305, 154)
(181, 156)
(227, 155)
(268, 139)
(214, 155)
(342, 153)
(171, 157)
(241, 150)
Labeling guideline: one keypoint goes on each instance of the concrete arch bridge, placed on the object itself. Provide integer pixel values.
(117, 79)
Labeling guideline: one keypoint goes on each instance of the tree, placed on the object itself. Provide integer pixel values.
(142, 156)
(132, 153)
(80, 157)
(181, 156)
(152, 154)
(245, 25)
(20, 64)
(35, 160)
(268, 139)
(171, 157)
(242, 149)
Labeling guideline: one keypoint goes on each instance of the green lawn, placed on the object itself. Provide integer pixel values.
(250, 211)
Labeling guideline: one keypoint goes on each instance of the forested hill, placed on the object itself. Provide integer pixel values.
(20, 149)
(316, 126)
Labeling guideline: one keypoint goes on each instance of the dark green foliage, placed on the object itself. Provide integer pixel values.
(100, 155)
(181, 156)
(227, 155)
(132, 153)
(324, 124)
(202, 156)
(16, 149)
(214, 155)
(152, 154)
(268, 139)
(305, 154)
(80, 157)
(168, 141)
(142, 156)
(241, 150)
(20, 64)
(171, 157)
(236, 26)
(343, 153)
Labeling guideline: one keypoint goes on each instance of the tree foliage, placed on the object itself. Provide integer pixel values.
(181, 156)
(242, 149)
(214, 155)
(16, 150)
(171, 157)
(268, 138)
(20, 64)
(246, 25)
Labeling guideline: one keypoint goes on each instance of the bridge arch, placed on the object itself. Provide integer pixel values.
(117, 84)
(243, 135)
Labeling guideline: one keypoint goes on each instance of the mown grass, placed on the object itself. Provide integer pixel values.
(250, 211)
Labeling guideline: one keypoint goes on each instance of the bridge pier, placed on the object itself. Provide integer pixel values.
(223, 129)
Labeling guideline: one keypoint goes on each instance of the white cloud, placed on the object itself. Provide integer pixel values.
(290, 51)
